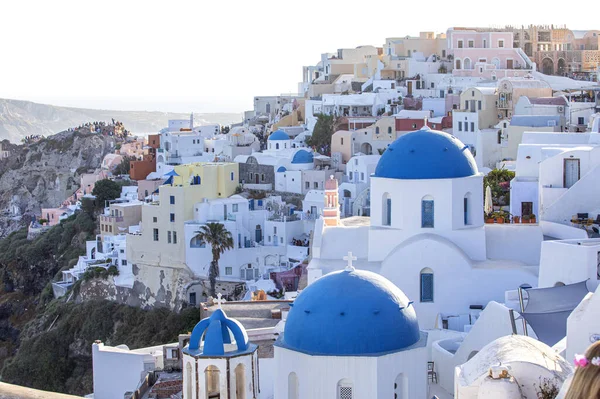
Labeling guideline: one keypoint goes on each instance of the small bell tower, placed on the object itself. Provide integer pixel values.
(331, 211)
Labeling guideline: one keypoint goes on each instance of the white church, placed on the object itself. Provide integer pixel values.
(426, 233)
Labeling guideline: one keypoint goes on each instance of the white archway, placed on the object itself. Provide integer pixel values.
(496, 62)
(240, 381)
(212, 376)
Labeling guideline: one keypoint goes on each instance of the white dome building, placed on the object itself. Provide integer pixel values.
(351, 334)
(426, 233)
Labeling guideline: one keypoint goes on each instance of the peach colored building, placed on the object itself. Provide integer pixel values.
(55, 215)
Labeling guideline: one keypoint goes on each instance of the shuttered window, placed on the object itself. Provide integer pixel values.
(426, 287)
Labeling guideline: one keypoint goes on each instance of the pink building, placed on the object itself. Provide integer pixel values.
(489, 55)
(55, 215)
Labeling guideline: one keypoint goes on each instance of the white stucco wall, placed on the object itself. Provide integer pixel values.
(583, 325)
(117, 371)
(371, 377)
(569, 262)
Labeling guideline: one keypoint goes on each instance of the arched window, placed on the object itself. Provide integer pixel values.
(258, 233)
(386, 210)
(467, 63)
(213, 386)
(389, 130)
(427, 212)
(276, 146)
(240, 382)
(188, 370)
(427, 285)
(293, 386)
(197, 243)
(467, 209)
(401, 387)
(344, 389)
(558, 284)
(377, 130)
(232, 176)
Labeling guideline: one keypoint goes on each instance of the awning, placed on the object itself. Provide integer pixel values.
(547, 309)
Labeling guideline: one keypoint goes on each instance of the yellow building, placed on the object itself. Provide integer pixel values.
(161, 242)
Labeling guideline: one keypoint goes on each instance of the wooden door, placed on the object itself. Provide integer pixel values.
(571, 172)
(509, 64)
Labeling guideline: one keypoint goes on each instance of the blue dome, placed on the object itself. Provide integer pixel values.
(426, 154)
(281, 169)
(279, 135)
(216, 331)
(302, 156)
(350, 313)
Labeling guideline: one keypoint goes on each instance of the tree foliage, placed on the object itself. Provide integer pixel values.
(220, 240)
(106, 190)
(499, 182)
(60, 359)
(321, 136)
(124, 166)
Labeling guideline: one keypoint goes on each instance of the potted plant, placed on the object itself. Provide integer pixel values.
(525, 219)
(499, 216)
(488, 218)
(516, 219)
(532, 218)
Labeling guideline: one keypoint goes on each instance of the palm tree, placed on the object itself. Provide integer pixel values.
(220, 240)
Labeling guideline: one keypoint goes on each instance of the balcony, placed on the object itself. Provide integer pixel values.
(111, 219)
(279, 218)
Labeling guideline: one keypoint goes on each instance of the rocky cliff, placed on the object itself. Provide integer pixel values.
(45, 173)
(24, 118)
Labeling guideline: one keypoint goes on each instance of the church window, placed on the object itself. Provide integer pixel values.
(292, 386)
(460, 126)
(240, 382)
(386, 210)
(389, 130)
(466, 206)
(427, 213)
(213, 386)
(377, 130)
(427, 285)
(232, 176)
(345, 389)
(277, 146)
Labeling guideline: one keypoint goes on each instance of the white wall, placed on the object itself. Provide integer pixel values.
(437, 105)
(117, 371)
(407, 195)
(583, 325)
(289, 181)
(372, 377)
(569, 262)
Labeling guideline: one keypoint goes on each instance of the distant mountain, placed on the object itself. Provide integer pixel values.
(23, 118)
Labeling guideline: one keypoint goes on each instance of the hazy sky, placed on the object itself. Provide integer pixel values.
(211, 55)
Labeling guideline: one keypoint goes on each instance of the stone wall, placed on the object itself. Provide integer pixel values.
(254, 168)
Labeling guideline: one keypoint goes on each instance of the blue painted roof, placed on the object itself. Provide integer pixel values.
(426, 154)
(302, 156)
(535, 120)
(350, 313)
(281, 169)
(216, 331)
(279, 135)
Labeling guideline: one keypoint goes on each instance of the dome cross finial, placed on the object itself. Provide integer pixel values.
(219, 301)
(350, 258)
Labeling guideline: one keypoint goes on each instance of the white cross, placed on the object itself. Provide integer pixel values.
(219, 300)
(350, 258)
